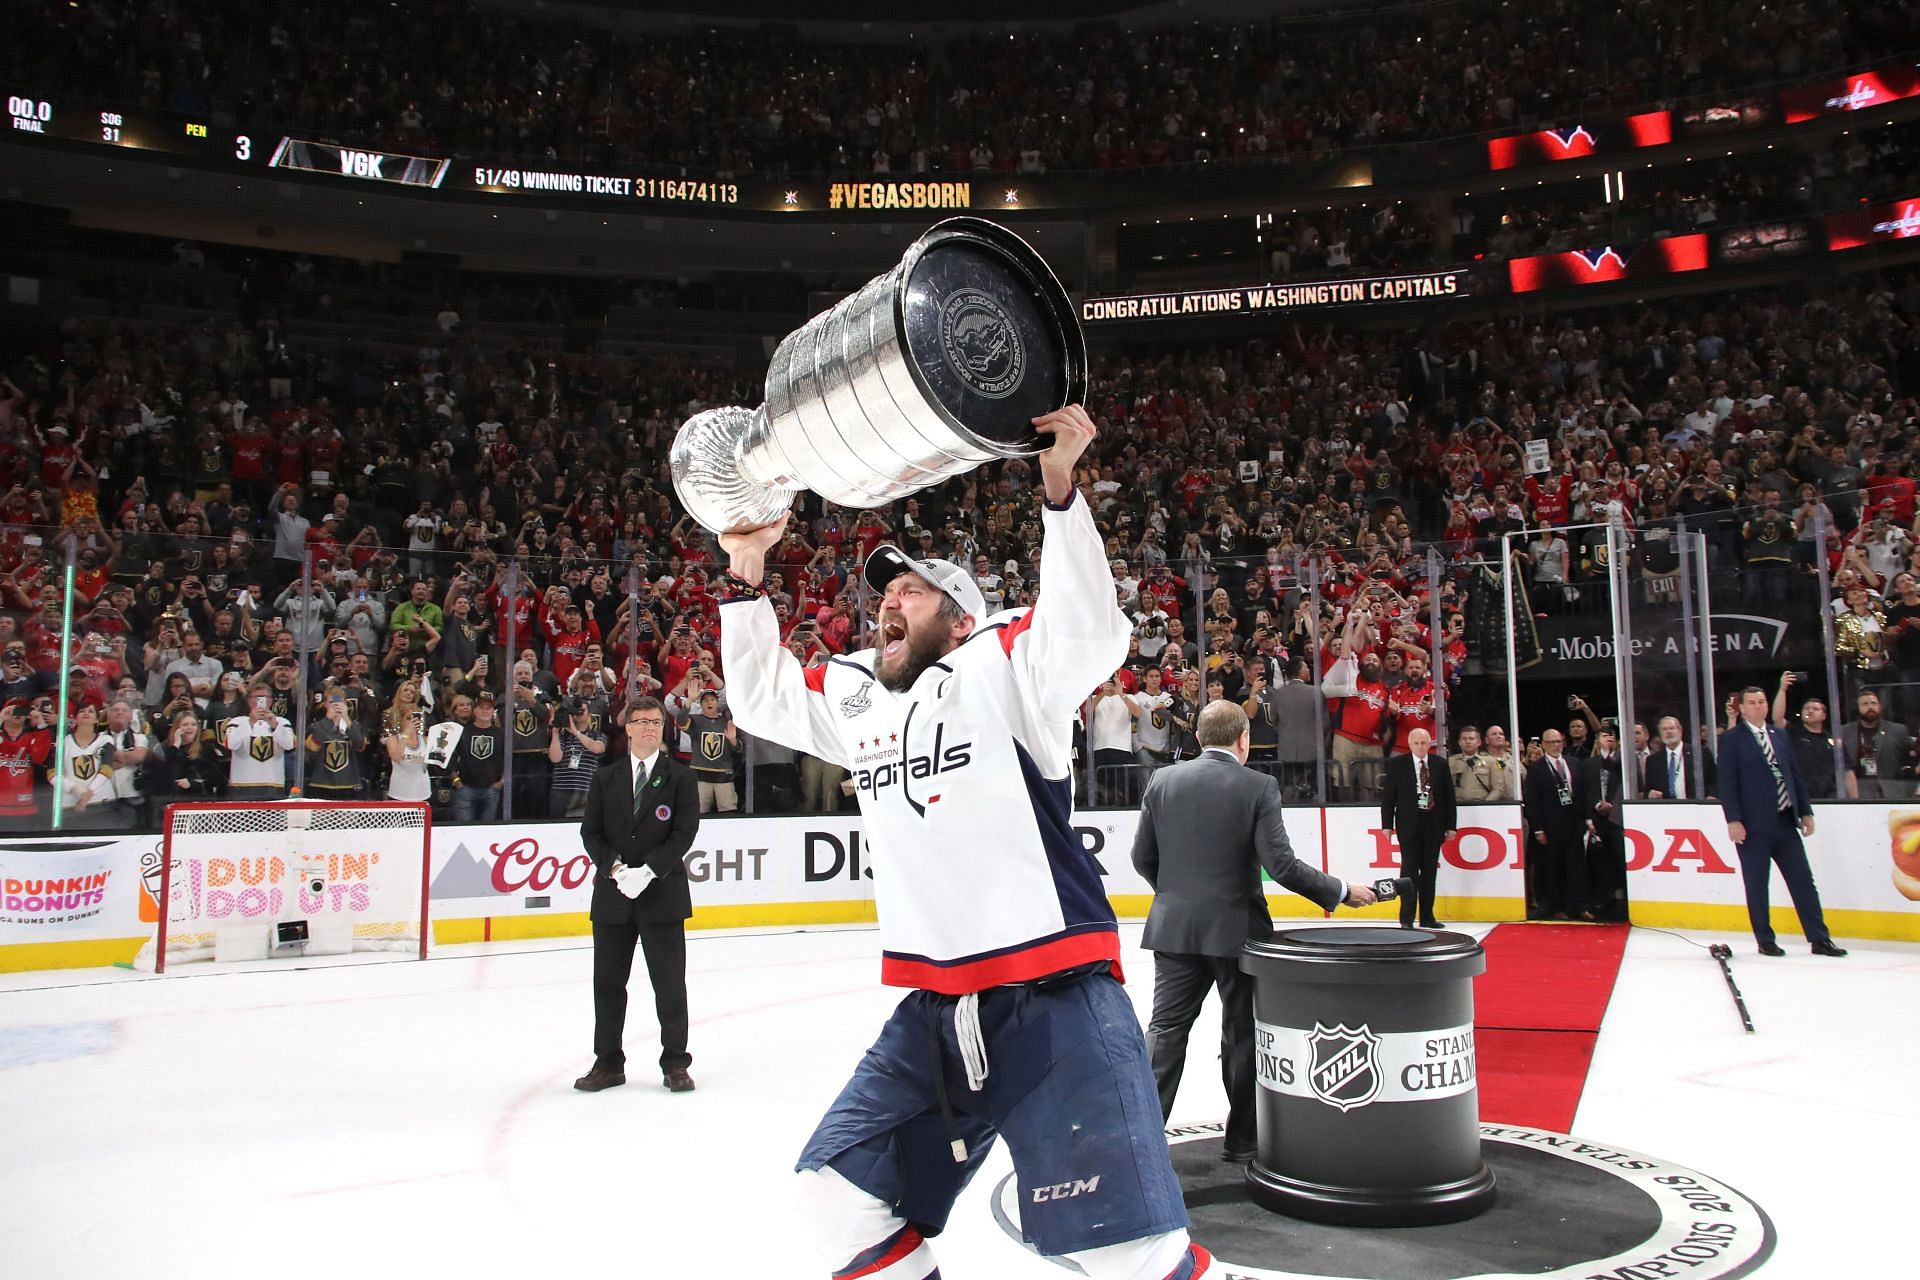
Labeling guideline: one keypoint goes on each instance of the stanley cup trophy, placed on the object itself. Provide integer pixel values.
(923, 374)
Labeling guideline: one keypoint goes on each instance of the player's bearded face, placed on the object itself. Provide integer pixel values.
(912, 637)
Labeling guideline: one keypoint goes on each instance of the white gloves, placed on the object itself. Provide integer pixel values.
(631, 880)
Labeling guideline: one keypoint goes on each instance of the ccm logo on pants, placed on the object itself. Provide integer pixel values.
(1066, 1190)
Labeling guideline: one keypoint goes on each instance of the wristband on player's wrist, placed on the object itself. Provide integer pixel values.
(736, 587)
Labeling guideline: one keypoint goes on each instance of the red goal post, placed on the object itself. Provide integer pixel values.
(246, 880)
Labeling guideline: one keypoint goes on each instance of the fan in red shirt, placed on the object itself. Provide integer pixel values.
(323, 543)
(1891, 491)
(519, 620)
(290, 456)
(1356, 697)
(1166, 589)
(1412, 704)
(567, 642)
(324, 448)
(25, 744)
(678, 657)
(869, 531)
(56, 455)
(1551, 500)
(251, 444)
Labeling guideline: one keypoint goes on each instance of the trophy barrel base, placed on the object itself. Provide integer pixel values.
(1372, 1206)
(708, 474)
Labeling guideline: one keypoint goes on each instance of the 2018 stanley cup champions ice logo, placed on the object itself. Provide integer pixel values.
(981, 344)
(1344, 1071)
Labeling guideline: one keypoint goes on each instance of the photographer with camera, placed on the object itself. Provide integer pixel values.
(307, 613)
(462, 655)
(201, 671)
(530, 734)
(25, 745)
(567, 633)
(715, 751)
(574, 749)
(334, 747)
(405, 737)
(363, 613)
(683, 699)
(257, 746)
(423, 537)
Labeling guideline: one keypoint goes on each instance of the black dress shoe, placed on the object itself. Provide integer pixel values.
(1771, 949)
(678, 1082)
(1828, 949)
(1237, 1157)
(600, 1078)
(1431, 924)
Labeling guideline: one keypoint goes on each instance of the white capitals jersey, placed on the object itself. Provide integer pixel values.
(964, 781)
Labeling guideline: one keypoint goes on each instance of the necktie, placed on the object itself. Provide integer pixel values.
(1673, 776)
(1773, 763)
(1420, 780)
(1560, 767)
(639, 789)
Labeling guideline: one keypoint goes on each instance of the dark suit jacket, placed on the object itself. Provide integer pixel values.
(1591, 770)
(1747, 792)
(1400, 799)
(610, 832)
(1540, 800)
(1699, 787)
(1207, 826)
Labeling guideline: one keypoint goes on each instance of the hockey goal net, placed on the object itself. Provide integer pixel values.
(289, 878)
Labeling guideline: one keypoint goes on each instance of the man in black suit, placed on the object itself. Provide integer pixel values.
(643, 808)
(1551, 799)
(1417, 805)
(1207, 826)
(1669, 772)
(1769, 815)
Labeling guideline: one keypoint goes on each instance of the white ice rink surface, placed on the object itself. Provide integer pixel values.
(409, 1119)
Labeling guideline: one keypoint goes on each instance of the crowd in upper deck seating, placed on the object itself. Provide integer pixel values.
(776, 99)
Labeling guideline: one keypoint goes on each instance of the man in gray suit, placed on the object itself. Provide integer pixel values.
(1207, 826)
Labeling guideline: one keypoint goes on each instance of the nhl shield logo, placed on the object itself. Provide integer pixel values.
(1344, 1070)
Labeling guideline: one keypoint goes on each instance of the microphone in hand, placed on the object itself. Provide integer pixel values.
(1388, 890)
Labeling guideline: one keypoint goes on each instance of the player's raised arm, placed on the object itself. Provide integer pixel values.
(769, 693)
(1075, 634)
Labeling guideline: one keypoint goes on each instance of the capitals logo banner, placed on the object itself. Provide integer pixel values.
(1874, 224)
(1571, 142)
(1861, 91)
(1608, 263)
